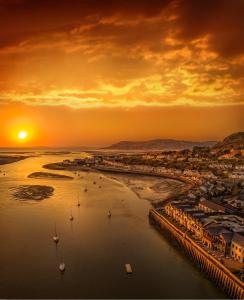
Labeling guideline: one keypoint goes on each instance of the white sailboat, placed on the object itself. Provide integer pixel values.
(62, 267)
(55, 237)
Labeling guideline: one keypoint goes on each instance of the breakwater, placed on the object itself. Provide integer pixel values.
(232, 286)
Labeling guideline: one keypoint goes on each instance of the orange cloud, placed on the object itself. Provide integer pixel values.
(121, 54)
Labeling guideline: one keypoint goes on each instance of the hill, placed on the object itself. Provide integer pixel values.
(234, 141)
(159, 144)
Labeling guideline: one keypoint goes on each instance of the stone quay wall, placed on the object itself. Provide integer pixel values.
(232, 286)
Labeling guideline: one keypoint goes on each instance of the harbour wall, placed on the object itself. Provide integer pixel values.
(232, 286)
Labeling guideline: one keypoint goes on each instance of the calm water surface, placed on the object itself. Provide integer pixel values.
(93, 247)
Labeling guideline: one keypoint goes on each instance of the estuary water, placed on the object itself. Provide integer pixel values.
(94, 248)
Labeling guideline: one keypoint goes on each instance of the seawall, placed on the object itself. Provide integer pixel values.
(232, 286)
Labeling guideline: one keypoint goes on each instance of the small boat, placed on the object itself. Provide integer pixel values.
(71, 216)
(85, 190)
(109, 214)
(55, 237)
(94, 182)
(128, 269)
(78, 202)
(62, 267)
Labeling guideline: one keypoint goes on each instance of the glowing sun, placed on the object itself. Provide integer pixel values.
(22, 135)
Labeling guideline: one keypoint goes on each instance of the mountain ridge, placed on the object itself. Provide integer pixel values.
(159, 144)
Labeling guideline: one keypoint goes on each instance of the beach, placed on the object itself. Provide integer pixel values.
(152, 188)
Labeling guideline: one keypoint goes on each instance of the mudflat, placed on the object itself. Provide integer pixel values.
(32, 192)
(46, 175)
(8, 159)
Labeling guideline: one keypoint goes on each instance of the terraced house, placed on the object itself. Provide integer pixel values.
(219, 232)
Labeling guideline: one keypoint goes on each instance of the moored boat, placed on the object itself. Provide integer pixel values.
(62, 267)
(128, 269)
(55, 237)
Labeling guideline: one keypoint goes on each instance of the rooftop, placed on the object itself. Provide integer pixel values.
(238, 239)
(212, 205)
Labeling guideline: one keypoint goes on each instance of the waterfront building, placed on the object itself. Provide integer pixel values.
(237, 247)
(224, 244)
(213, 237)
(210, 206)
(215, 230)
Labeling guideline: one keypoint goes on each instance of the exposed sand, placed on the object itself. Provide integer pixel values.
(155, 189)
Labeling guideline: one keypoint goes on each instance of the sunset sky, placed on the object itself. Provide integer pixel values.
(76, 73)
